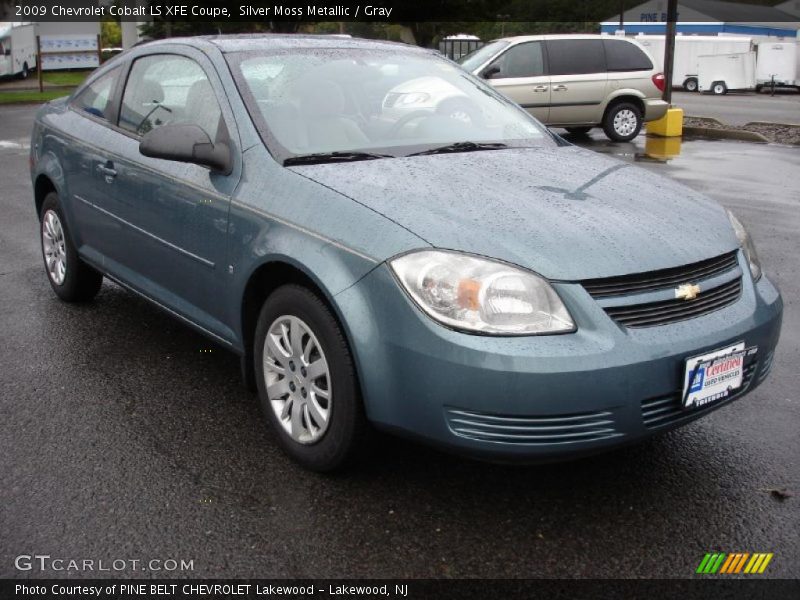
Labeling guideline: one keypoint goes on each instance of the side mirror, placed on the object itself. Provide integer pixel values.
(189, 144)
(490, 72)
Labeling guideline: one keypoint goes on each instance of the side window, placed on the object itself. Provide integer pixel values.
(522, 60)
(625, 56)
(94, 98)
(168, 89)
(574, 57)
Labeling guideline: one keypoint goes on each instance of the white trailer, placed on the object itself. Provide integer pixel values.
(17, 49)
(687, 50)
(778, 61)
(721, 73)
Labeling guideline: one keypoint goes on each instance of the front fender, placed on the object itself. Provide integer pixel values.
(278, 215)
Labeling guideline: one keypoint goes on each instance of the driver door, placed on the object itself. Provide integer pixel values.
(173, 216)
(520, 74)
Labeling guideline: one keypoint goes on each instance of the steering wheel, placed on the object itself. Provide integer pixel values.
(405, 120)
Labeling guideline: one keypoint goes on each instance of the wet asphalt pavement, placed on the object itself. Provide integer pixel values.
(123, 436)
(742, 107)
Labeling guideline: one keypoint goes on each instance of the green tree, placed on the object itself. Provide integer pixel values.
(110, 34)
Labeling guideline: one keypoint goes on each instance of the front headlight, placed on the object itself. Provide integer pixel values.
(476, 294)
(746, 242)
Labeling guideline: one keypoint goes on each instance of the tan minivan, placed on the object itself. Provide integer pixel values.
(575, 81)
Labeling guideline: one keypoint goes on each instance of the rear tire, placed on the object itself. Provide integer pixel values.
(25, 71)
(622, 122)
(690, 85)
(719, 88)
(71, 279)
(578, 130)
(296, 338)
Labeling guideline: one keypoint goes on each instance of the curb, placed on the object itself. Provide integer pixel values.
(710, 120)
(725, 134)
(772, 124)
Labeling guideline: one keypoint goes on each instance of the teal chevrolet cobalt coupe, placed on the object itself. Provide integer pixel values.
(387, 241)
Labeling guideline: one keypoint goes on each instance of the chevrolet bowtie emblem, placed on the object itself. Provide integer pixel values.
(687, 291)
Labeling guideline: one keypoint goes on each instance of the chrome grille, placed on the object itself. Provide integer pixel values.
(668, 410)
(662, 279)
(538, 430)
(669, 311)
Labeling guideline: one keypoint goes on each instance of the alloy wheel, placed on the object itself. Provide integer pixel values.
(54, 246)
(297, 379)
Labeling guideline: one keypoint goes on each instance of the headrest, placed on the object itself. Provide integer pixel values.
(151, 91)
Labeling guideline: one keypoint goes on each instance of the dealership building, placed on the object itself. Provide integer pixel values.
(711, 17)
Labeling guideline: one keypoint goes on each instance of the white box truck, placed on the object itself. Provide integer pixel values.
(778, 61)
(17, 49)
(687, 50)
(721, 73)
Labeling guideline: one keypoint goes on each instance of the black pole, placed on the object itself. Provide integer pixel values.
(669, 49)
(621, 14)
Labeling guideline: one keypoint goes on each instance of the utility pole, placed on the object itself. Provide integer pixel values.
(621, 15)
(669, 49)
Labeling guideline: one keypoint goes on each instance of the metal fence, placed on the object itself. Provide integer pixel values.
(456, 47)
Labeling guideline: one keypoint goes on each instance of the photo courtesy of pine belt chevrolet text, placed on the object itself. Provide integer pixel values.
(390, 242)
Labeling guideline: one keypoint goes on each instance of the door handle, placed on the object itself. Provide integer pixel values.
(559, 88)
(540, 88)
(108, 171)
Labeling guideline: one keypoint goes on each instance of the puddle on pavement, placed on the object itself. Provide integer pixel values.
(648, 148)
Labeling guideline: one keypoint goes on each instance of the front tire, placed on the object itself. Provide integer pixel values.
(71, 279)
(306, 380)
(622, 122)
(25, 71)
(690, 85)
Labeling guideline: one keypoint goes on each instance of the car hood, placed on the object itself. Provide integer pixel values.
(564, 212)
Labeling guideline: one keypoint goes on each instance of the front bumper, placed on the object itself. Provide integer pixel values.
(654, 109)
(540, 397)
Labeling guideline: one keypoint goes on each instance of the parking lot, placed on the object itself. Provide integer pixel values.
(127, 435)
(742, 108)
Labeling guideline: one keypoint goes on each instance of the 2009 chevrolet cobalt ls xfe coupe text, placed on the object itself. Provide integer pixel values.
(479, 284)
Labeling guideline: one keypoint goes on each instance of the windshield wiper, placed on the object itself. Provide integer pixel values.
(462, 147)
(328, 157)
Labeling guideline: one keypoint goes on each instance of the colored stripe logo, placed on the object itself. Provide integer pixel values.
(733, 563)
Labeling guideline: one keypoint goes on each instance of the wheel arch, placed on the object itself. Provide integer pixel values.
(264, 279)
(625, 96)
(42, 186)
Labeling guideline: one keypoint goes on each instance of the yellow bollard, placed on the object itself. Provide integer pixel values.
(662, 148)
(670, 125)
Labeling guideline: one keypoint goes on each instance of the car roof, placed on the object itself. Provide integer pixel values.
(561, 36)
(274, 41)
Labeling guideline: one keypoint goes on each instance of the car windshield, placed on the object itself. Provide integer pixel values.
(477, 57)
(366, 103)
